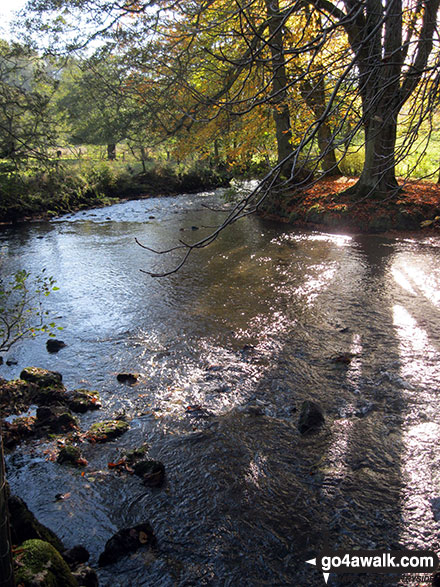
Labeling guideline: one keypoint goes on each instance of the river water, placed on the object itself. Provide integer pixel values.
(246, 331)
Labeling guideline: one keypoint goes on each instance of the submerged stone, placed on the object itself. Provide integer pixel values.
(311, 417)
(106, 430)
(127, 541)
(152, 472)
(39, 564)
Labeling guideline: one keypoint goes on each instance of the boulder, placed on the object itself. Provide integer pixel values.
(106, 430)
(53, 345)
(311, 417)
(127, 541)
(81, 400)
(56, 418)
(18, 430)
(38, 563)
(25, 526)
(42, 377)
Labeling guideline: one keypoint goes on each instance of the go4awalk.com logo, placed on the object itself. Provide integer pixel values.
(375, 561)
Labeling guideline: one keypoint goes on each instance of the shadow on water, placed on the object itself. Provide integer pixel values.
(247, 331)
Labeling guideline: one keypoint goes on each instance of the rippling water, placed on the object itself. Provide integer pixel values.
(246, 330)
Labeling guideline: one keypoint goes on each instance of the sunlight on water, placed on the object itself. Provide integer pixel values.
(316, 283)
(416, 279)
(418, 357)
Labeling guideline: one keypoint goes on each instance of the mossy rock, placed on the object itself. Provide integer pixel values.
(107, 430)
(50, 395)
(25, 526)
(16, 396)
(137, 454)
(69, 455)
(42, 377)
(37, 563)
(81, 400)
(57, 419)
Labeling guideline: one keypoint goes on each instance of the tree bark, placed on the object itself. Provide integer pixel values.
(314, 97)
(111, 151)
(6, 572)
(280, 108)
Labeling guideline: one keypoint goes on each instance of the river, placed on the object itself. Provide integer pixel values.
(246, 331)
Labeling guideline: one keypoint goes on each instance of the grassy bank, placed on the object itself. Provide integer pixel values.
(65, 186)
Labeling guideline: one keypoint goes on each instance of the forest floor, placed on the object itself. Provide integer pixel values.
(326, 204)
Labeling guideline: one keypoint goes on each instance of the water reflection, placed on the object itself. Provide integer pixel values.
(227, 350)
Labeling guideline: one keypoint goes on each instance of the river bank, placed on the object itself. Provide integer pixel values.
(67, 189)
(326, 206)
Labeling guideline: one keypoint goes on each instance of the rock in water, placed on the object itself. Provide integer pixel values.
(42, 377)
(127, 541)
(311, 417)
(41, 565)
(107, 430)
(152, 472)
(129, 378)
(53, 345)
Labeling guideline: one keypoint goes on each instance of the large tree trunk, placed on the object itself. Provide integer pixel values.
(378, 177)
(314, 97)
(280, 110)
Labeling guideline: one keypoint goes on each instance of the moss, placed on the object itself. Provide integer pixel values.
(69, 455)
(38, 563)
(42, 377)
(137, 454)
(107, 430)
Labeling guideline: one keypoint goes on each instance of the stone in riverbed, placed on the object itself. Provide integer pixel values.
(311, 417)
(81, 400)
(85, 576)
(106, 430)
(151, 472)
(16, 396)
(136, 454)
(57, 419)
(129, 378)
(39, 564)
(127, 541)
(71, 455)
(53, 345)
(42, 377)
